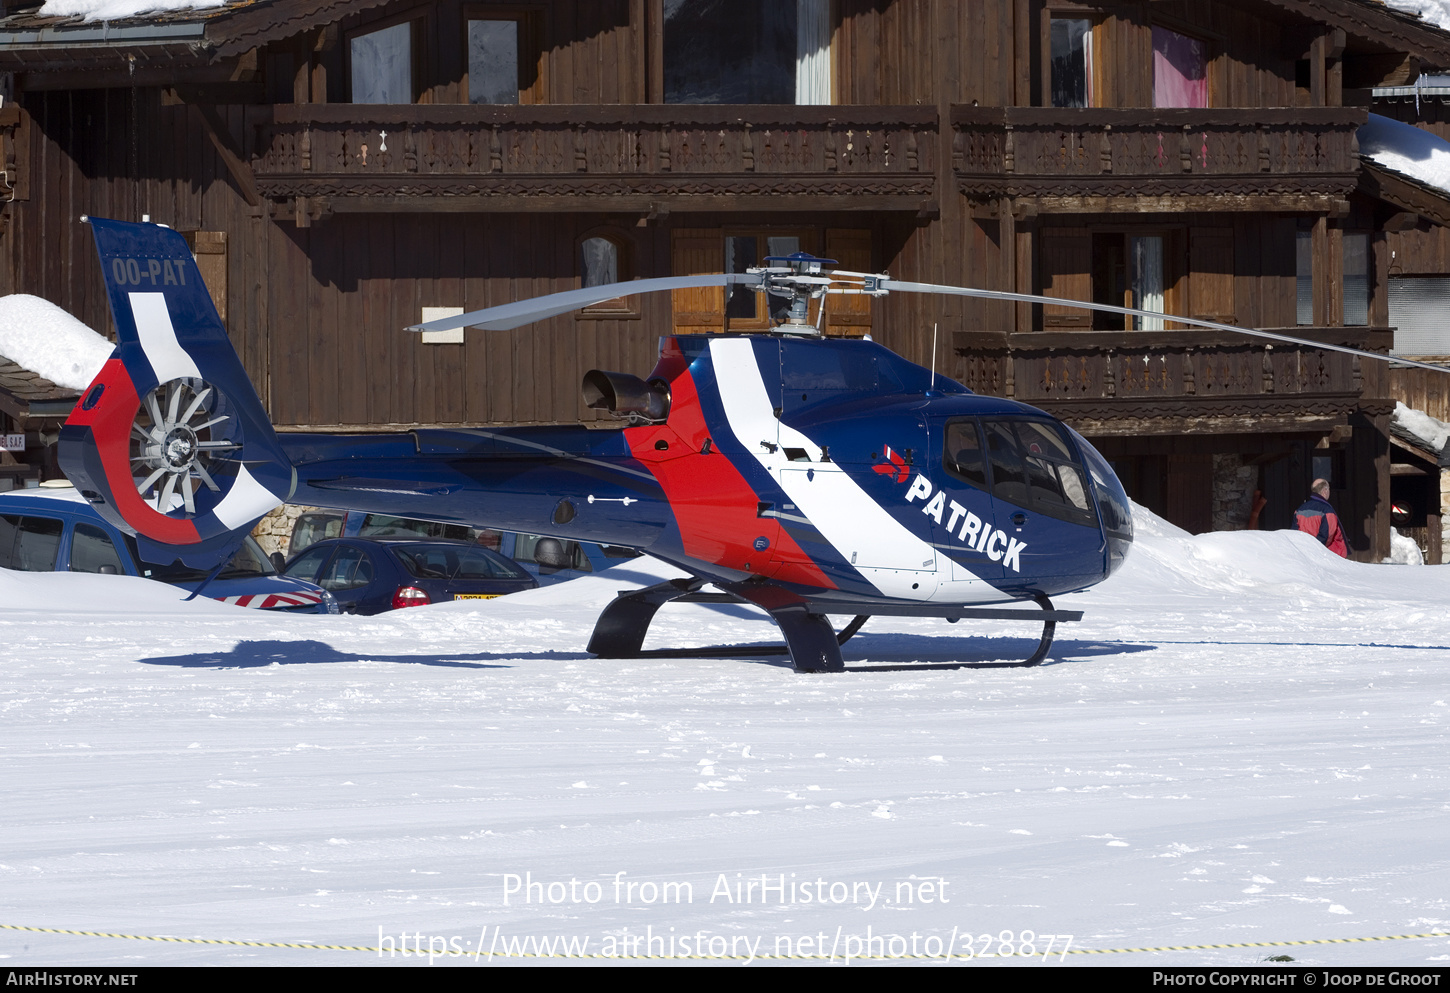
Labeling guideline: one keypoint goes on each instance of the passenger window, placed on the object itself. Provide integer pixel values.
(309, 563)
(312, 528)
(962, 454)
(29, 544)
(91, 550)
(348, 570)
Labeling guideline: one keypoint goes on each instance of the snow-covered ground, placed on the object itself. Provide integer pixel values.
(1243, 741)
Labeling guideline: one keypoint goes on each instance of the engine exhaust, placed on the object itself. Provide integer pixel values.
(627, 396)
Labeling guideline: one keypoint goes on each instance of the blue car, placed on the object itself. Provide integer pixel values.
(371, 575)
(53, 529)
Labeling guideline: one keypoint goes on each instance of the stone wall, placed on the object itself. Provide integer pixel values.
(1233, 492)
(274, 531)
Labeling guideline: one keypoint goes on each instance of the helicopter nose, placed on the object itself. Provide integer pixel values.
(1114, 507)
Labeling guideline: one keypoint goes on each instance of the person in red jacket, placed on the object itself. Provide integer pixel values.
(1318, 518)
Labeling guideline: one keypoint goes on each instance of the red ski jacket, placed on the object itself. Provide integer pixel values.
(1318, 518)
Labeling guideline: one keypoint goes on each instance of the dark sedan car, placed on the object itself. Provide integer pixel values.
(371, 575)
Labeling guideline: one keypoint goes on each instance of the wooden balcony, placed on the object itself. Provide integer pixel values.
(597, 157)
(1171, 382)
(1154, 160)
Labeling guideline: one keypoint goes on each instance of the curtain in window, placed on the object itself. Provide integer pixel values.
(382, 65)
(1147, 279)
(813, 52)
(1072, 62)
(601, 262)
(1180, 70)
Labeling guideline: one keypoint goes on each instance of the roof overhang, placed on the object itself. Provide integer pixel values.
(1407, 194)
(179, 39)
(1378, 24)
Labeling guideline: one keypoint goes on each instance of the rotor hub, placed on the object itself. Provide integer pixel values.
(180, 447)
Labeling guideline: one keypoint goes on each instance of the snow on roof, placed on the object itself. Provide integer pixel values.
(1406, 149)
(39, 336)
(1428, 432)
(117, 10)
(1437, 12)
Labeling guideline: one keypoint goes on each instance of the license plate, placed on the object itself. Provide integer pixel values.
(475, 596)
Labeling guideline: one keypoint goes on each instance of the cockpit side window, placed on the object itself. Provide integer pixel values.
(1009, 479)
(1034, 466)
(962, 453)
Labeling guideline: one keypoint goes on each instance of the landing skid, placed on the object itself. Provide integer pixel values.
(810, 641)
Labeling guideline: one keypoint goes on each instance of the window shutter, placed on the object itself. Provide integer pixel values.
(1211, 274)
(849, 315)
(1066, 274)
(696, 252)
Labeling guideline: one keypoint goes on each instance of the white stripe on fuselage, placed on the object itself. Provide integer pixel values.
(893, 559)
(158, 338)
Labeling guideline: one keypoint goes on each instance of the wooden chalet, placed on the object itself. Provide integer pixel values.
(347, 167)
(32, 409)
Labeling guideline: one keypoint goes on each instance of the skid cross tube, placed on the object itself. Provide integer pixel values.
(810, 641)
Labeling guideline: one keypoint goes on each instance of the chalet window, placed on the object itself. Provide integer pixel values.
(382, 65)
(604, 258)
(1110, 281)
(1145, 277)
(1180, 70)
(599, 262)
(744, 307)
(747, 51)
(695, 251)
(493, 61)
(503, 48)
(1112, 268)
(1356, 278)
(1304, 277)
(1072, 62)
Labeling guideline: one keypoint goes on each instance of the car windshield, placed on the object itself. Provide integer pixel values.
(250, 562)
(456, 562)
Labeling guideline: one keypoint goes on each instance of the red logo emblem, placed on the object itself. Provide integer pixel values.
(897, 467)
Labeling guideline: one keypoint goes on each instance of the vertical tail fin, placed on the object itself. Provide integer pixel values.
(170, 441)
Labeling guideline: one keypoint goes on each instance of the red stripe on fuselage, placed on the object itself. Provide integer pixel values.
(713, 503)
(110, 422)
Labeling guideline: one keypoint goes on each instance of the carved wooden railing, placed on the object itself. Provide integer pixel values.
(1049, 151)
(350, 150)
(1123, 373)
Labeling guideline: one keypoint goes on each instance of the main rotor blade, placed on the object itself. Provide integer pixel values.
(513, 315)
(892, 286)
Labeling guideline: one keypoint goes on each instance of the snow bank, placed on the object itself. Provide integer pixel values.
(1407, 150)
(41, 337)
(116, 10)
(1430, 431)
(1403, 550)
(35, 593)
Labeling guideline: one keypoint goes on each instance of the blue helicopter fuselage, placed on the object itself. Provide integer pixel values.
(829, 466)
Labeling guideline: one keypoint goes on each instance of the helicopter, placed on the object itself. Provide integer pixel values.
(807, 476)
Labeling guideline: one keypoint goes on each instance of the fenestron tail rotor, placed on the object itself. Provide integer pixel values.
(170, 441)
(180, 431)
